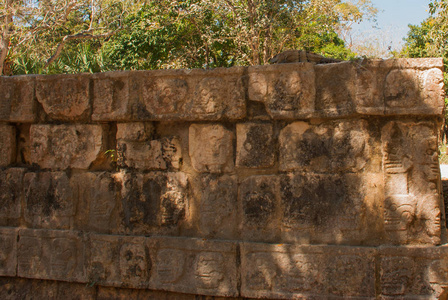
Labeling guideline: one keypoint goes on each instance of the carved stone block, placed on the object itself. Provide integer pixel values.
(64, 97)
(259, 200)
(49, 201)
(137, 149)
(288, 90)
(111, 96)
(154, 202)
(96, 197)
(283, 271)
(216, 201)
(65, 146)
(7, 144)
(211, 148)
(17, 99)
(190, 95)
(195, 266)
(54, 255)
(335, 89)
(8, 251)
(328, 147)
(255, 145)
(10, 196)
(119, 261)
(412, 202)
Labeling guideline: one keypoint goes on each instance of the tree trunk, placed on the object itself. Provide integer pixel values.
(4, 42)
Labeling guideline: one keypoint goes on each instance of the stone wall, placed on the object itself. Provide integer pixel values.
(281, 181)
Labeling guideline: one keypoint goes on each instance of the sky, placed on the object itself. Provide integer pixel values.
(393, 19)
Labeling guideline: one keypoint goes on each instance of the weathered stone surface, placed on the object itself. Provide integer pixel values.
(17, 99)
(287, 90)
(154, 202)
(255, 145)
(7, 144)
(332, 209)
(408, 272)
(325, 148)
(211, 148)
(8, 251)
(96, 195)
(335, 89)
(49, 200)
(412, 201)
(216, 206)
(259, 200)
(194, 266)
(111, 96)
(64, 97)
(137, 149)
(55, 254)
(65, 146)
(119, 261)
(190, 95)
(10, 196)
(293, 272)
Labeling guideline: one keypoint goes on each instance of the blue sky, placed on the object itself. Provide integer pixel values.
(393, 19)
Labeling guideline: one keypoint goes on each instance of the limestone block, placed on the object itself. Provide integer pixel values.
(195, 266)
(153, 202)
(287, 90)
(17, 99)
(216, 206)
(211, 148)
(335, 89)
(96, 198)
(328, 147)
(259, 200)
(51, 254)
(7, 144)
(139, 150)
(8, 251)
(119, 261)
(408, 272)
(190, 94)
(283, 271)
(65, 146)
(111, 96)
(10, 196)
(412, 202)
(369, 98)
(49, 200)
(64, 97)
(255, 145)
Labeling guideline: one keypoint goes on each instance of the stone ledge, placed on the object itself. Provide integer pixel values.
(212, 267)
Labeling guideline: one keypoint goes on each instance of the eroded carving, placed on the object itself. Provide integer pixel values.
(396, 275)
(209, 269)
(133, 262)
(165, 96)
(210, 101)
(169, 265)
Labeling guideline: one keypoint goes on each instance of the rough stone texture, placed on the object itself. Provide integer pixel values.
(216, 206)
(255, 145)
(137, 149)
(412, 201)
(154, 202)
(190, 95)
(49, 200)
(211, 148)
(195, 266)
(295, 272)
(7, 144)
(8, 251)
(64, 97)
(287, 181)
(65, 146)
(55, 254)
(111, 96)
(17, 99)
(11, 196)
(287, 91)
(119, 261)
